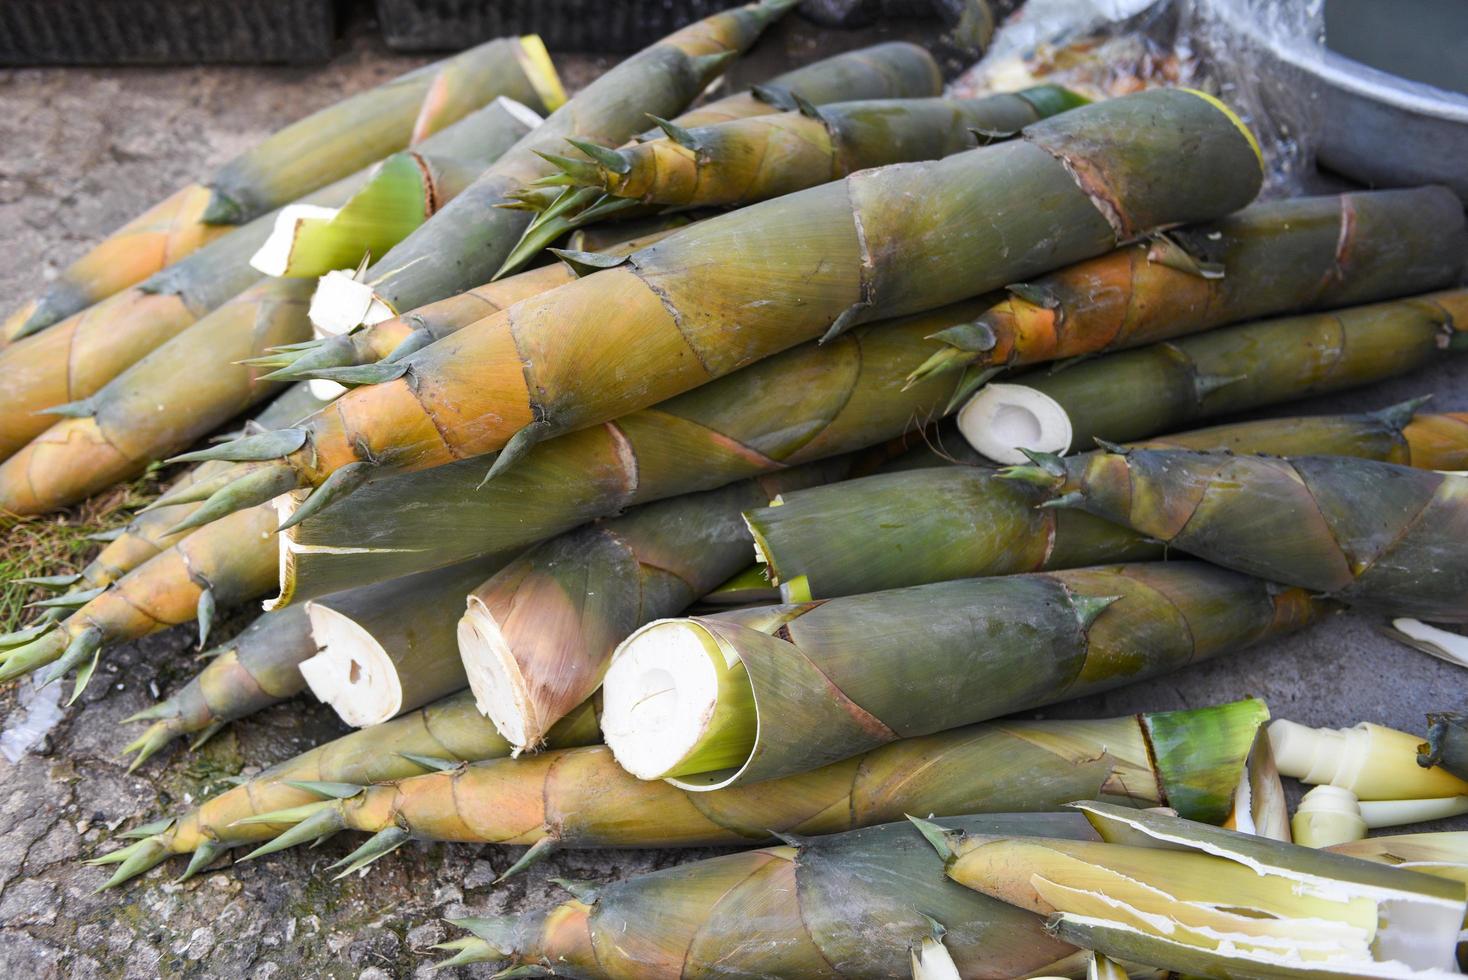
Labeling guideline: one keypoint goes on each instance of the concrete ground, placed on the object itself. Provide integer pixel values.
(81, 151)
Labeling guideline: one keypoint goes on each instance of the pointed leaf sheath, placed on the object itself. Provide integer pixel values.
(834, 678)
(1375, 534)
(1216, 373)
(302, 157)
(537, 636)
(465, 244)
(258, 668)
(194, 382)
(804, 405)
(894, 70)
(451, 729)
(945, 522)
(75, 359)
(581, 798)
(808, 910)
(748, 160)
(1271, 258)
(804, 250)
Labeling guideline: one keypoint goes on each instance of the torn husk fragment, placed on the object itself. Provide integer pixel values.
(258, 668)
(808, 265)
(61, 372)
(1271, 258)
(304, 156)
(828, 679)
(392, 647)
(441, 734)
(958, 521)
(851, 904)
(1180, 895)
(1374, 534)
(760, 157)
(1446, 745)
(466, 242)
(580, 798)
(1220, 372)
(537, 636)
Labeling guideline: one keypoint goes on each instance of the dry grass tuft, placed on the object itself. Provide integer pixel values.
(57, 544)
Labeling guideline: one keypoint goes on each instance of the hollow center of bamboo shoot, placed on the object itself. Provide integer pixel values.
(676, 705)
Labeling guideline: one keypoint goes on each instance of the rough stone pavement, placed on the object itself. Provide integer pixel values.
(81, 151)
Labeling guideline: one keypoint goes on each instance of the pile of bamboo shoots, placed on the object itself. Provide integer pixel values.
(592, 471)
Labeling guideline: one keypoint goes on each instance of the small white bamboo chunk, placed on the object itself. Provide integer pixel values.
(1328, 815)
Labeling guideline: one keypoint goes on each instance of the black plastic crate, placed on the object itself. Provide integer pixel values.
(103, 32)
(564, 25)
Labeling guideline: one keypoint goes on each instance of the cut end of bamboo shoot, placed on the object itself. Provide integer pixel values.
(500, 690)
(342, 303)
(520, 110)
(541, 72)
(274, 257)
(325, 390)
(675, 704)
(352, 672)
(1003, 419)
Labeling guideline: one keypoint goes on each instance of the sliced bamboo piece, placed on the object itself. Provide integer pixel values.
(437, 736)
(1447, 744)
(258, 668)
(799, 686)
(392, 647)
(302, 157)
(808, 908)
(1195, 899)
(396, 338)
(1271, 258)
(760, 157)
(73, 360)
(810, 264)
(946, 522)
(1374, 534)
(803, 405)
(1223, 371)
(580, 798)
(537, 636)
(1372, 761)
(466, 243)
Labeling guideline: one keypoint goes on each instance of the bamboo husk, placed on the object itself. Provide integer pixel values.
(1187, 897)
(258, 668)
(302, 157)
(831, 679)
(399, 336)
(1446, 745)
(927, 525)
(391, 647)
(891, 70)
(450, 731)
(579, 798)
(803, 405)
(1216, 373)
(537, 636)
(808, 908)
(70, 362)
(760, 157)
(1271, 258)
(964, 240)
(148, 533)
(466, 243)
(1368, 533)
